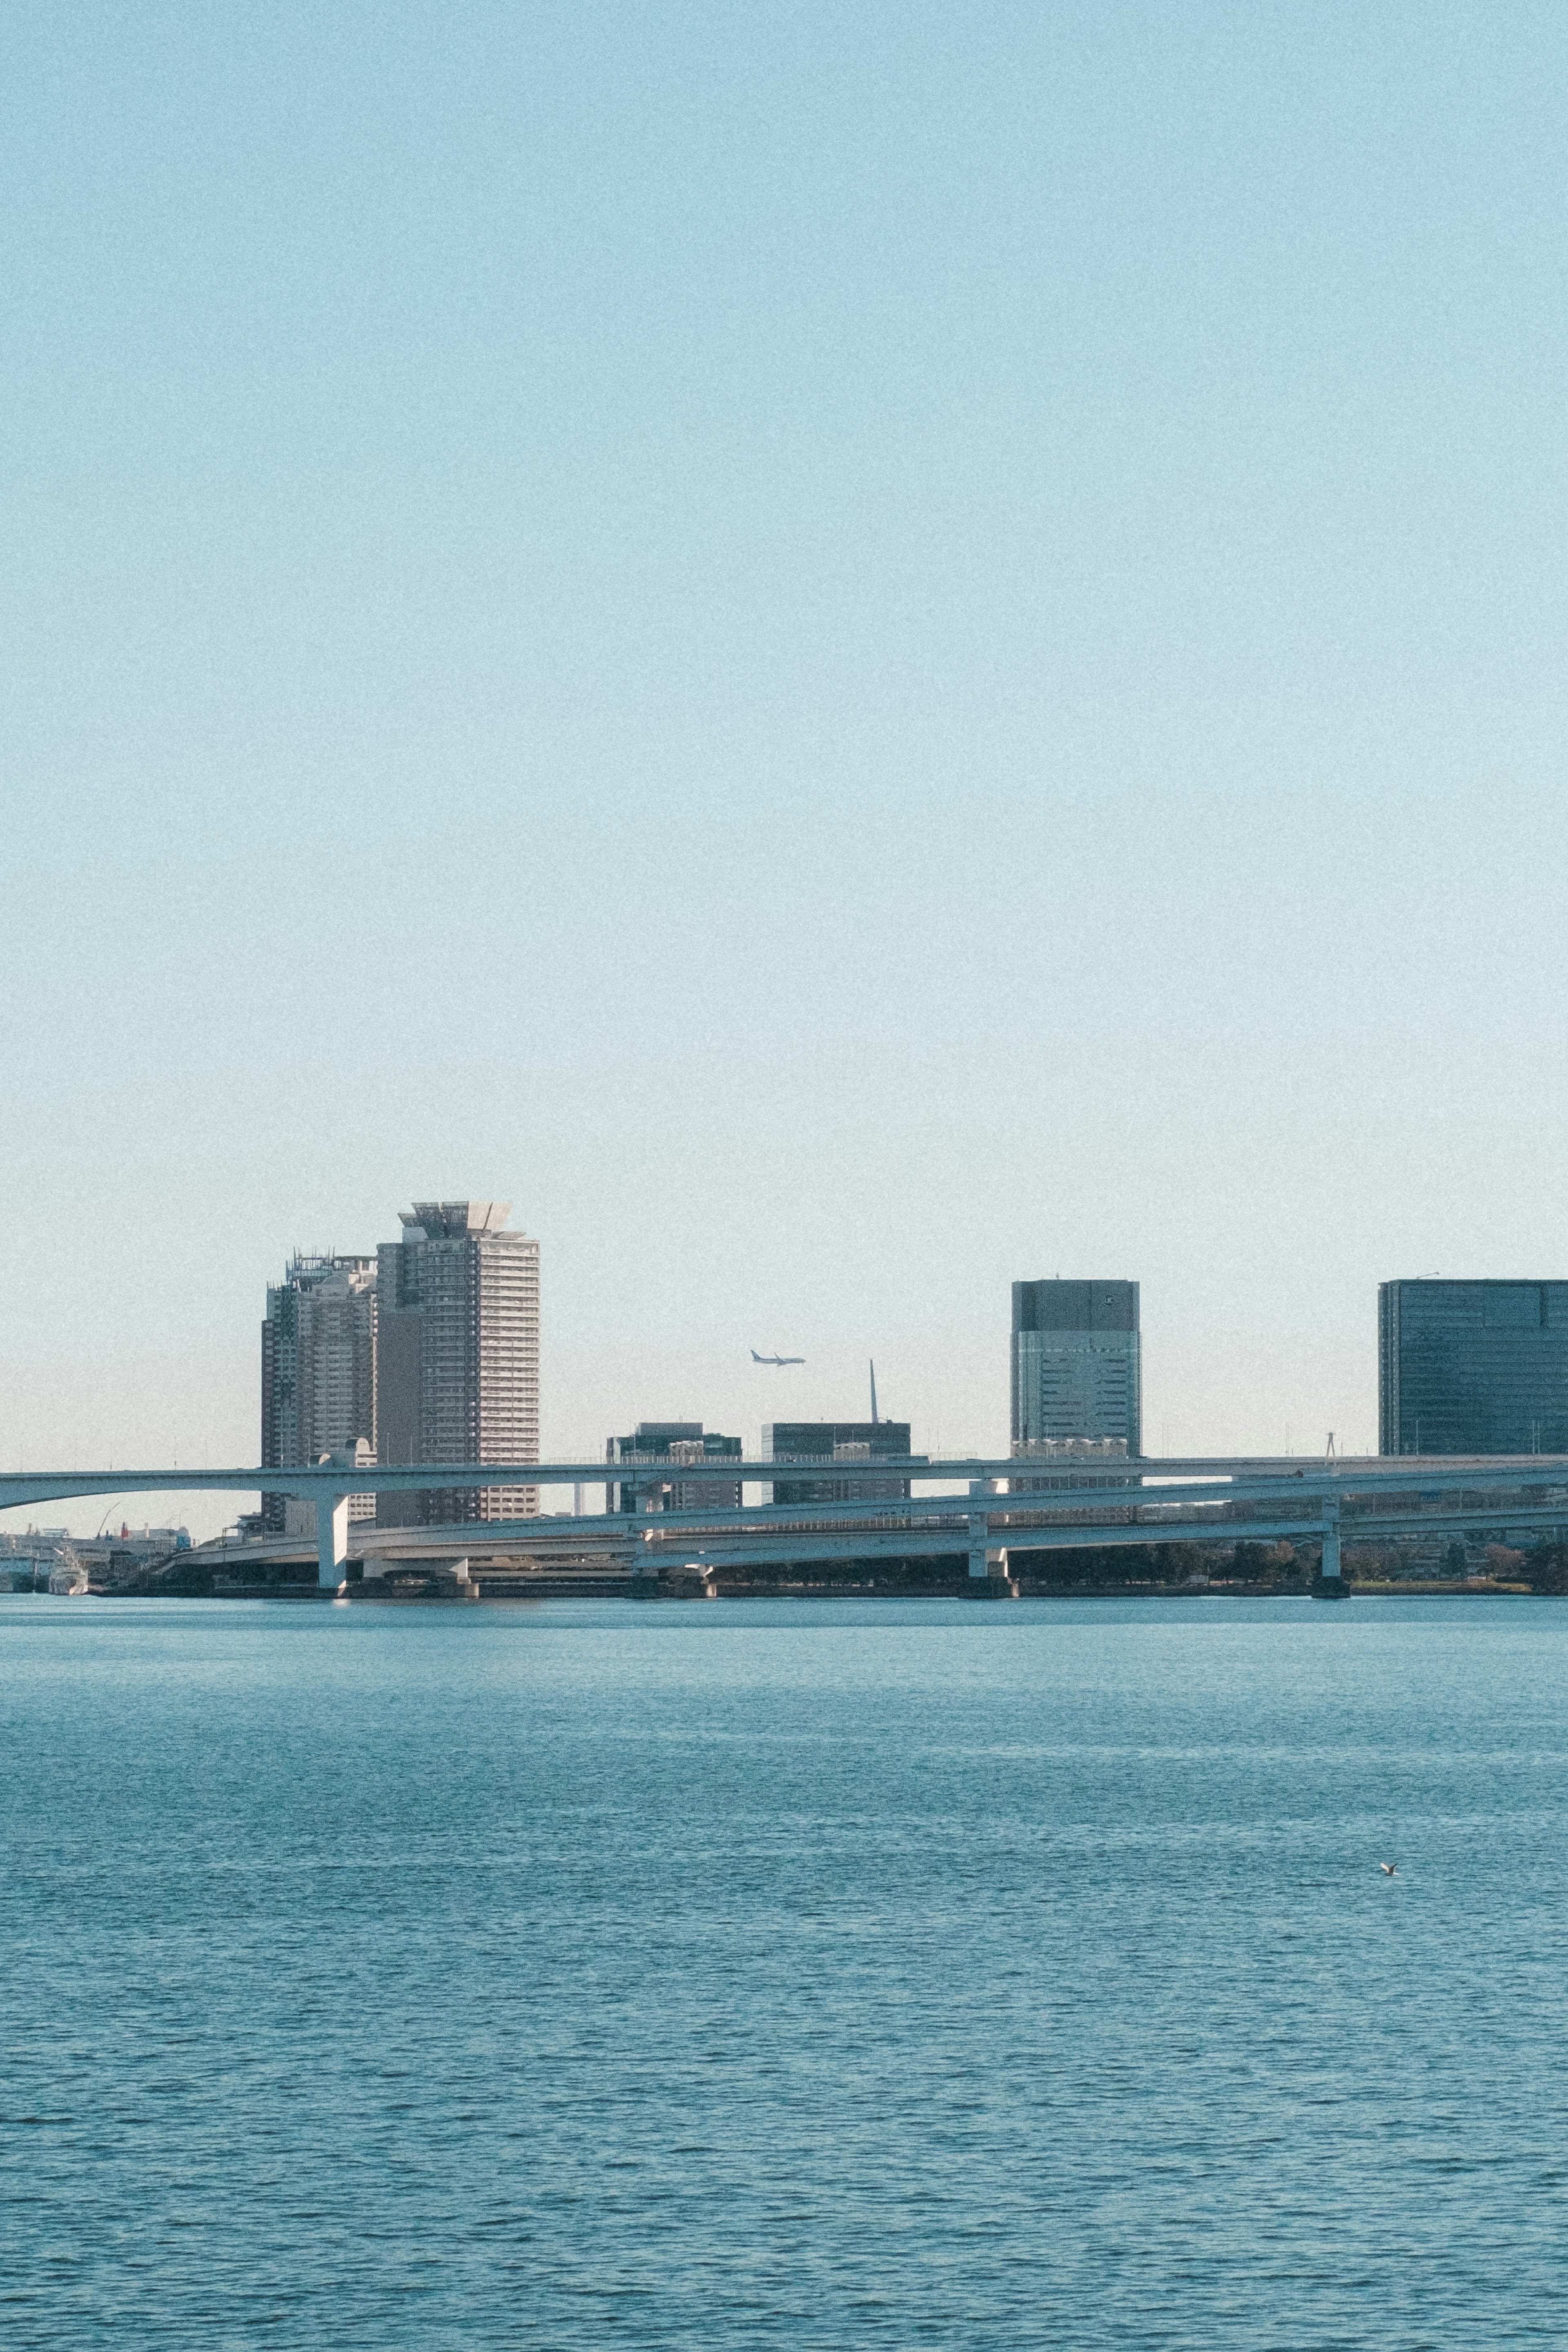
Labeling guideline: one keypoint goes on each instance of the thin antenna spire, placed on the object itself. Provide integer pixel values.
(872, 1362)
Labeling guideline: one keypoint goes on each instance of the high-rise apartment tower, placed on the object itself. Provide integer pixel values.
(458, 1356)
(318, 1369)
(1075, 1364)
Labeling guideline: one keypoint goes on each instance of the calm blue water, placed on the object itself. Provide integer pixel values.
(785, 1974)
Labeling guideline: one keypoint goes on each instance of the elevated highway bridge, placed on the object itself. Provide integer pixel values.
(1021, 1502)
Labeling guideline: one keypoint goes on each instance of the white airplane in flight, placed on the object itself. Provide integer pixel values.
(775, 1360)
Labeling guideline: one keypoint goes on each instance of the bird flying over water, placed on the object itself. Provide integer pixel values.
(1388, 1868)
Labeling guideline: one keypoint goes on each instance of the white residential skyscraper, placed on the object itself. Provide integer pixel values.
(458, 1356)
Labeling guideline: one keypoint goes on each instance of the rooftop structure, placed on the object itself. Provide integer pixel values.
(450, 1220)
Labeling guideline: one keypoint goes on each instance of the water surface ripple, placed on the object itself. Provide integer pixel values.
(785, 1974)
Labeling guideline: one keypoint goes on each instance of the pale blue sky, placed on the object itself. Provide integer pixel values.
(853, 653)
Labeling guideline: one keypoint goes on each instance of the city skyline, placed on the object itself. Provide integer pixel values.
(342, 1290)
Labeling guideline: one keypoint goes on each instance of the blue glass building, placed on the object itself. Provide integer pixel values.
(1472, 1367)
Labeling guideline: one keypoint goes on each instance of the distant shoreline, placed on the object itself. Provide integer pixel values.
(992, 1591)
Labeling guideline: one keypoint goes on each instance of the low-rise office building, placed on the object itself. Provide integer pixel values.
(836, 1441)
(657, 1451)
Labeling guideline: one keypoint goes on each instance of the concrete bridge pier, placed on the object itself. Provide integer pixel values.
(645, 1566)
(331, 1540)
(1330, 1571)
(979, 1530)
(985, 1559)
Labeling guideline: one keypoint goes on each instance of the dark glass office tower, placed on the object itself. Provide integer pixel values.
(1472, 1368)
(1076, 1367)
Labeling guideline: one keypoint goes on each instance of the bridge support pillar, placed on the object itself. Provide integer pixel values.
(985, 1559)
(979, 1529)
(1330, 1564)
(645, 1568)
(331, 1540)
